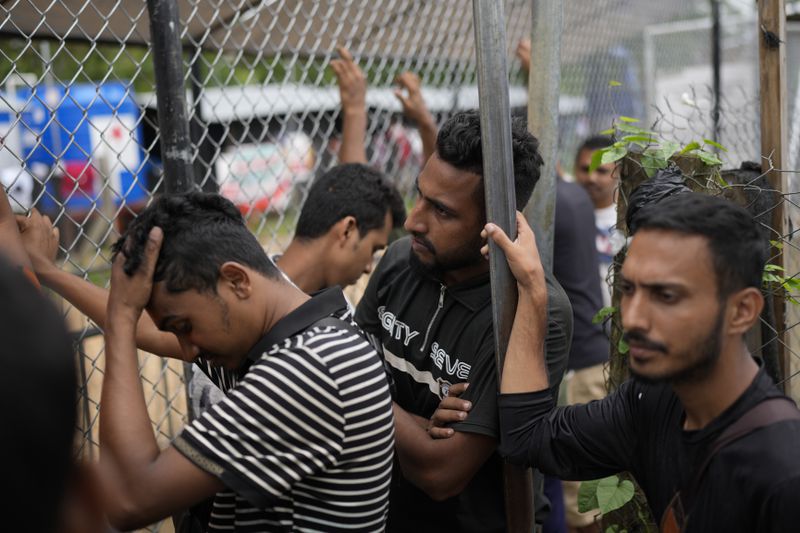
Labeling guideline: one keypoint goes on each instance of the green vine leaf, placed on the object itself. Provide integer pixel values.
(609, 131)
(622, 346)
(715, 144)
(613, 493)
(628, 119)
(603, 314)
(614, 83)
(597, 156)
(694, 145)
(708, 158)
(587, 496)
(614, 153)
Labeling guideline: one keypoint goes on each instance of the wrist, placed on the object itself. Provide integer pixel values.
(121, 316)
(46, 272)
(425, 122)
(355, 110)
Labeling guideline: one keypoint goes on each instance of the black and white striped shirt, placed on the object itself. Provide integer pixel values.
(304, 441)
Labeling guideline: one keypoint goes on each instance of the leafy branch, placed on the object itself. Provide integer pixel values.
(654, 151)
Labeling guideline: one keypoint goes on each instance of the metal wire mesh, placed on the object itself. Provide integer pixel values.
(81, 135)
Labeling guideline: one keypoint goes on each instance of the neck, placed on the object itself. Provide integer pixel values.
(300, 262)
(460, 275)
(283, 299)
(604, 204)
(706, 399)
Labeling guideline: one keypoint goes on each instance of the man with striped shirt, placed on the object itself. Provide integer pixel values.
(304, 439)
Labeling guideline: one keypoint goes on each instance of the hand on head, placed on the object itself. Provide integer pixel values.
(130, 294)
(352, 82)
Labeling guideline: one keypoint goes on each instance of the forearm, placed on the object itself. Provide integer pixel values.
(427, 132)
(92, 300)
(127, 444)
(524, 369)
(354, 131)
(439, 467)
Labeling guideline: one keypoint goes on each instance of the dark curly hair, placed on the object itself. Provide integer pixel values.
(738, 249)
(202, 231)
(459, 144)
(353, 190)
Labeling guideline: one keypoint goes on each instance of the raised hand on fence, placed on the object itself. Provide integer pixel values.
(10, 241)
(353, 96)
(414, 107)
(524, 53)
(40, 240)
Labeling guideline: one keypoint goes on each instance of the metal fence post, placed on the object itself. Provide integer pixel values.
(544, 79)
(173, 120)
(498, 180)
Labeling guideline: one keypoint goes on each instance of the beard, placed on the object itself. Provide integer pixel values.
(466, 255)
(708, 352)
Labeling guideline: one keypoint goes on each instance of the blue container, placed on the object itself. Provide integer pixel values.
(87, 131)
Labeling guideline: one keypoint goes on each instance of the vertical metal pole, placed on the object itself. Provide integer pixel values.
(772, 69)
(203, 167)
(173, 121)
(544, 80)
(498, 180)
(716, 62)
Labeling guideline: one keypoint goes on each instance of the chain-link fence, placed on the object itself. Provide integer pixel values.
(81, 135)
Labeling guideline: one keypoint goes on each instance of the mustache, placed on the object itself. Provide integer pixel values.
(641, 341)
(424, 242)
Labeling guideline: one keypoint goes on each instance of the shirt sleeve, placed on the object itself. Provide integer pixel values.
(482, 392)
(282, 423)
(558, 340)
(586, 441)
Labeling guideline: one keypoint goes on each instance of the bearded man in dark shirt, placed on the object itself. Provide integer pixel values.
(690, 291)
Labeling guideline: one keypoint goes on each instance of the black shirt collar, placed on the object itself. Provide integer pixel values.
(321, 304)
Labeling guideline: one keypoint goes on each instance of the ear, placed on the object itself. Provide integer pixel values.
(345, 229)
(236, 278)
(744, 310)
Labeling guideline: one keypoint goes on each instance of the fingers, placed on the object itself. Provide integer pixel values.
(441, 433)
(151, 249)
(450, 411)
(499, 237)
(408, 80)
(458, 389)
(404, 101)
(344, 53)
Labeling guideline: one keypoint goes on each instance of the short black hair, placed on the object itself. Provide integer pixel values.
(39, 388)
(350, 189)
(738, 249)
(595, 142)
(459, 144)
(202, 231)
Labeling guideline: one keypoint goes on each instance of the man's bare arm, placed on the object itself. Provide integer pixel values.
(353, 95)
(441, 468)
(40, 241)
(142, 483)
(414, 107)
